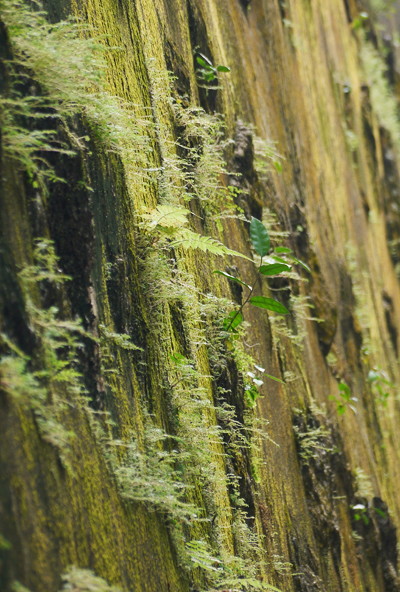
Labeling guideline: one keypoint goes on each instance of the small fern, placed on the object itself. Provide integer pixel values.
(171, 219)
(76, 579)
(191, 240)
(240, 584)
(198, 553)
(166, 216)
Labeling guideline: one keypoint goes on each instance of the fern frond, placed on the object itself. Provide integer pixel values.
(191, 240)
(166, 216)
(240, 584)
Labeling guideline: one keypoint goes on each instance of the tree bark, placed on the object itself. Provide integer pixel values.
(300, 76)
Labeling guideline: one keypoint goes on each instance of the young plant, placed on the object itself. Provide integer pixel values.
(251, 387)
(361, 513)
(379, 381)
(208, 72)
(261, 243)
(345, 400)
(277, 263)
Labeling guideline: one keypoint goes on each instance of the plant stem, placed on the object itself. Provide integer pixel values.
(246, 301)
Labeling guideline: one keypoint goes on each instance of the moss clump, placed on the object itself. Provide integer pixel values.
(383, 99)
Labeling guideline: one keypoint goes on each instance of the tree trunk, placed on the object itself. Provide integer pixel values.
(143, 444)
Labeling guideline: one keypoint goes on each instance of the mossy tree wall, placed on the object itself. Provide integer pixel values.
(318, 78)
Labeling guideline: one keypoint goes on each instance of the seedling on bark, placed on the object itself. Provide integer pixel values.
(279, 261)
(345, 400)
(379, 384)
(208, 72)
(361, 513)
(281, 257)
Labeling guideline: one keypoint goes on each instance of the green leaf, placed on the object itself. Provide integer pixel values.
(380, 512)
(274, 268)
(301, 263)
(5, 545)
(269, 304)
(278, 166)
(274, 378)
(259, 237)
(203, 63)
(279, 259)
(232, 277)
(344, 391)
(209, 76)
(233, 320)
(341, 409)
(283, 250)
(252, 395)
(223, 69)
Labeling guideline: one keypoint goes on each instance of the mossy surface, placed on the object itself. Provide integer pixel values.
(296, 74)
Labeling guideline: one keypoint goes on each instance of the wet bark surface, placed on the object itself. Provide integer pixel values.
(292, 64)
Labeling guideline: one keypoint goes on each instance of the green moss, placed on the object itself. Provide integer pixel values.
(136, 468)
(169, 422)
(383, 99)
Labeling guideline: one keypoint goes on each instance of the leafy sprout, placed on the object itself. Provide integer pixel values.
(279, 262)
(361, 513)
(208, 72)
(261, 243)
(380, 384)
(345, 399)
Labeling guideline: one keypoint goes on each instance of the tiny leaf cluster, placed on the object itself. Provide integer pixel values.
(345, 399)
(208, 72)
(261, 243)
